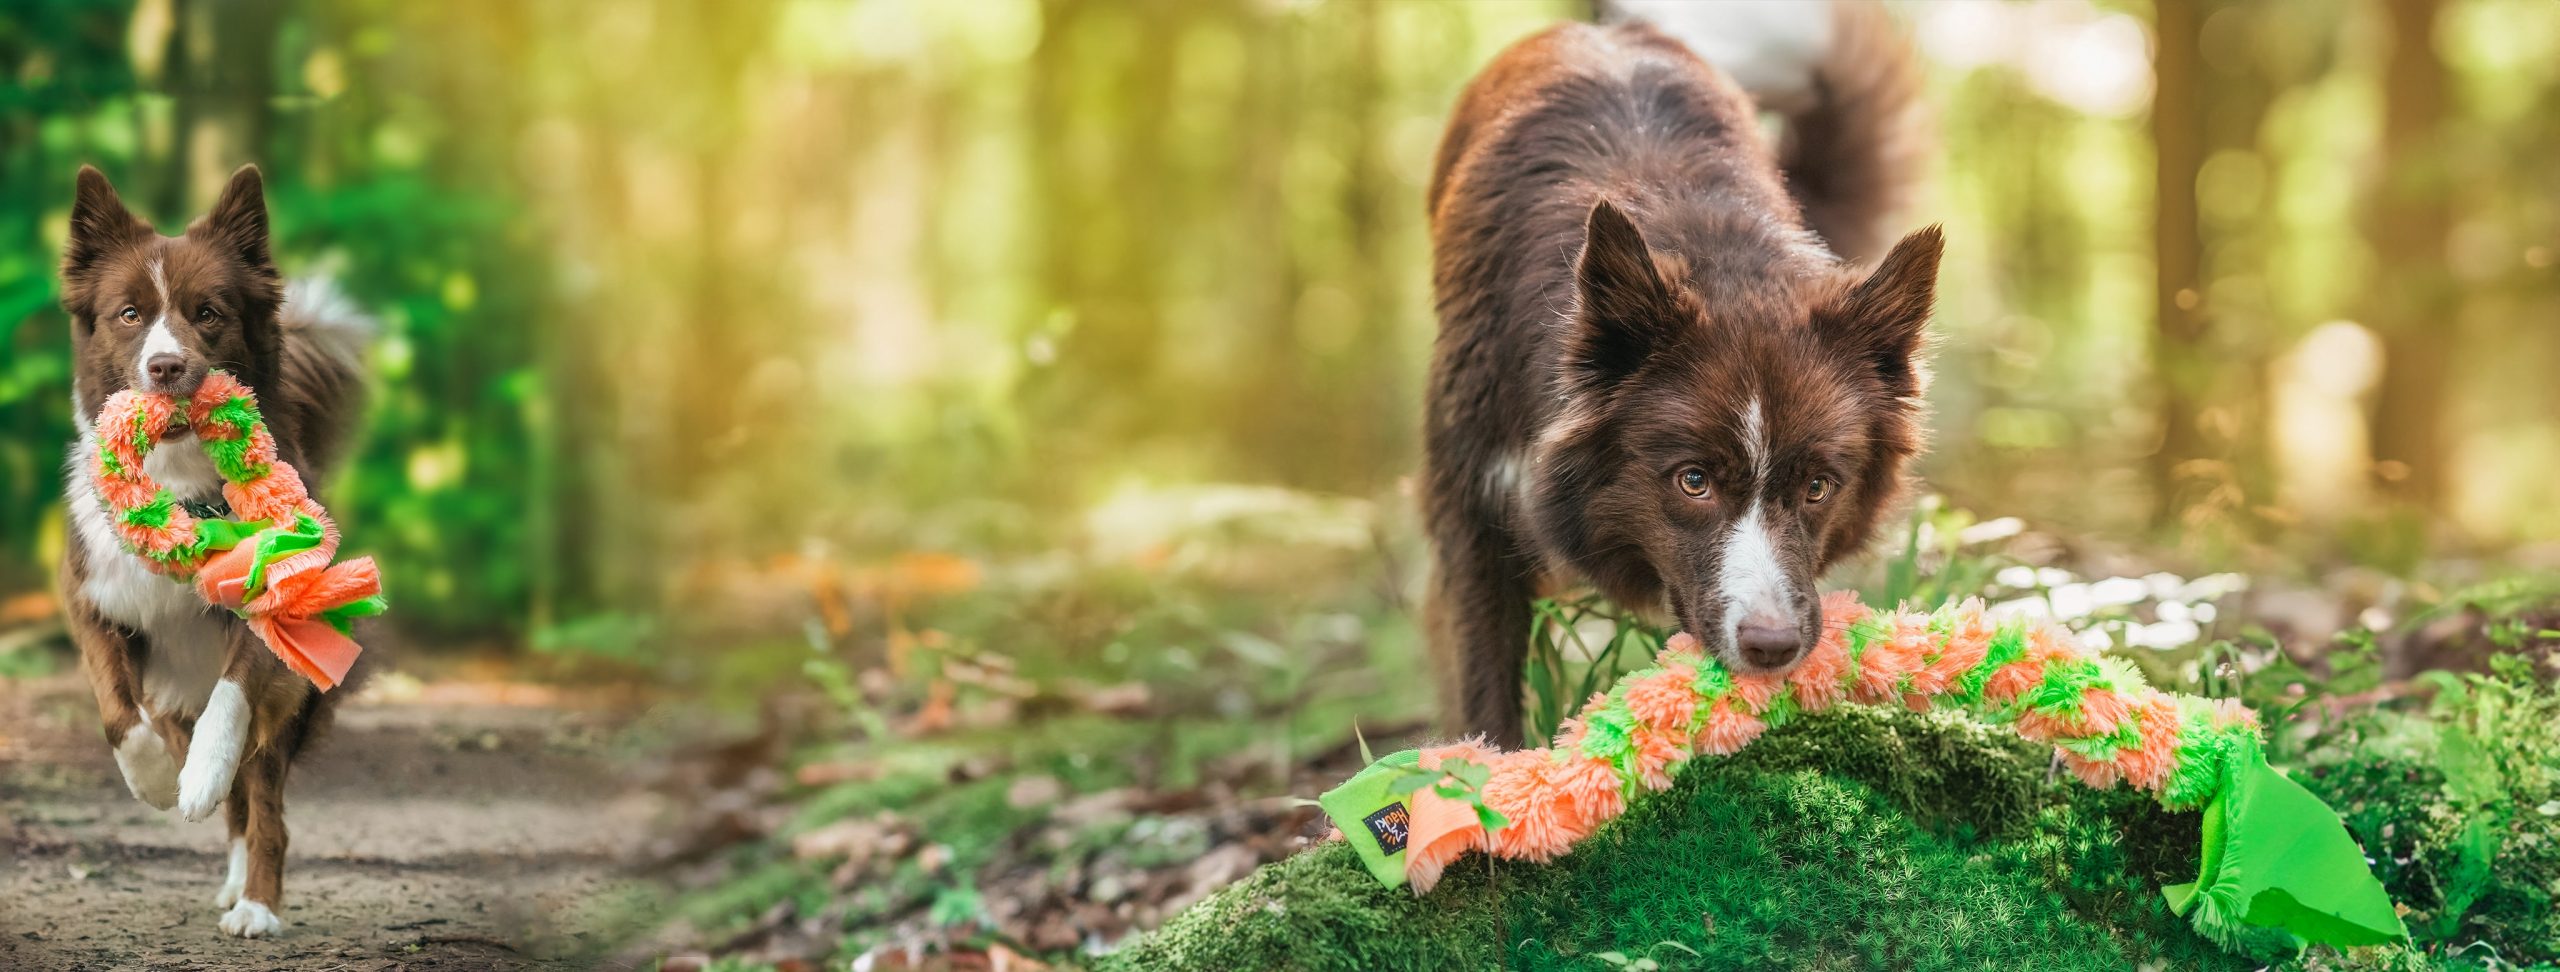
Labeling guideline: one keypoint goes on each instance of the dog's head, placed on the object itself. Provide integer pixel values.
(157, 312)
(1715, 459)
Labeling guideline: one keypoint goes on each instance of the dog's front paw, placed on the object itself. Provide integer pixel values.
(214, 756)
(149, 771)
(201, 787)
(249, 919)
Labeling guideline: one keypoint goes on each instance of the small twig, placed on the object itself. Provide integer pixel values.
(2387, 691)
(464, 940)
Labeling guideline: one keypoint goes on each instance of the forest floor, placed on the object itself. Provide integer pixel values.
(1006, 765)
(449, 824)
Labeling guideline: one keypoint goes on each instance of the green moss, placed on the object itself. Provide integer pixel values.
(1857, 838)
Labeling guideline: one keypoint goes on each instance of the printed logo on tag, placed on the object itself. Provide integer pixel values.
(1390, 825)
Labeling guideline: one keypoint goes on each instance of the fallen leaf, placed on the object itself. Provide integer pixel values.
(1032, 791)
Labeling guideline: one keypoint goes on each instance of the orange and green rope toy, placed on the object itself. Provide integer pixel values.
(270, 561)
(2274, 855)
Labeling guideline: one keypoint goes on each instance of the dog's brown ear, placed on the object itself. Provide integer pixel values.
(1882, 321)
(1624, 309)
(100, 225)
(238, 221)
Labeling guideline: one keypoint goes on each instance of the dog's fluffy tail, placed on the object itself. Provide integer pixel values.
(1847, 81)
(325, 336)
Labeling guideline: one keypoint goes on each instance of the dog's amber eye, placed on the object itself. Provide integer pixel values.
(132, 316)
(1692, 480)
(1818, 490)
(204, 314)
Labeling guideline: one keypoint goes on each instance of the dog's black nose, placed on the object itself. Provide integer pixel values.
(165, 370)
(1767, 646)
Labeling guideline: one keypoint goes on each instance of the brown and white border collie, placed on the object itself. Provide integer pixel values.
(1666, 366)
(199, 713)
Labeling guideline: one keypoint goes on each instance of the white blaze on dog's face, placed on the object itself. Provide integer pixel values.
(1718, 450)
(158, 313)
(1760, 596)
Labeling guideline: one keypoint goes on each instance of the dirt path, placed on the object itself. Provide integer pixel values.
(433, 829)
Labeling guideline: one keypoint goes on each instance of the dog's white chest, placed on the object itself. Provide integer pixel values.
(186, 634)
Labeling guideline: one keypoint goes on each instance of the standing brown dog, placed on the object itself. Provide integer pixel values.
(198, 711)
(1652, 375)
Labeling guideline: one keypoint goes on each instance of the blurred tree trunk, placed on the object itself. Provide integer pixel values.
(1373, 360)
(1268, 111)
(1102, 212)
(224, 82)
(2413, 300)
(2179, 372)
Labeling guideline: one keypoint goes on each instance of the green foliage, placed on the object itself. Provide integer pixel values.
(456, 482)
(2460, 808)
(1456, 779)
(1564, 670)
(1934, 565)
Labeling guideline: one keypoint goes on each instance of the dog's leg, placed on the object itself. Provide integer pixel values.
(213, 755)
(1479, 623)
(235, 818)
(113, 655)
(280, 707)
(257, 845)
(222, 732)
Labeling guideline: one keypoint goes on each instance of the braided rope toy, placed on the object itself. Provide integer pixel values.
(269, 561)
(2274, 856)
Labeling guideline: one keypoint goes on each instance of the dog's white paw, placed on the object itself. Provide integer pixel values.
(214, 755)
(149, 771)
(202, 787)
(235, 880)
(249, 919)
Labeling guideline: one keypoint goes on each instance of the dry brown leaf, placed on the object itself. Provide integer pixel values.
(29, 608)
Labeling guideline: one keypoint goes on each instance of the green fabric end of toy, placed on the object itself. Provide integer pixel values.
(226, 534)
(276, 544)
(1373, 818)
(343, 617)
(2275, 858)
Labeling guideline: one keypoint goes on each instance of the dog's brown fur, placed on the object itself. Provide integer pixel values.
(1631, 307)
(218, 297)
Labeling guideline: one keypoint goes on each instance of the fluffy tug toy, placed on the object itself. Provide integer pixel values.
(269, 561)
(2274, 855)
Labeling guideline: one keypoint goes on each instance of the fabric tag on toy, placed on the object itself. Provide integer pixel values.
(1375, 821)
